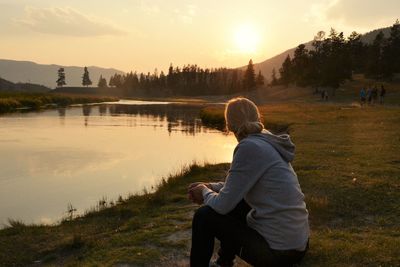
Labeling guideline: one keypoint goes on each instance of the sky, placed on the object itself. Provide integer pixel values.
(143, 35)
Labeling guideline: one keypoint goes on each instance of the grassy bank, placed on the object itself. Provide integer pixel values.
(10, 102)
(348, 166)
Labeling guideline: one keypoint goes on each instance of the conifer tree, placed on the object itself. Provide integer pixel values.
(286, 71)
(260, 79)
(61, 78)
(250, 76)
(102, 82)
(391, 52)
(274, 80)
(85, 78)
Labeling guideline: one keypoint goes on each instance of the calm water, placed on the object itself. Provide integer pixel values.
(80, 154)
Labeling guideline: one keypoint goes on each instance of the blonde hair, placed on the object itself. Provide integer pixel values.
(242, 117)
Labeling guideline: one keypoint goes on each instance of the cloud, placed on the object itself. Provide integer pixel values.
(361, 13)
(66, 21)
(150, 9)
(187, 14)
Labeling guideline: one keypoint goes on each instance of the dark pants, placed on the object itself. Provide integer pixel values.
(236, 238)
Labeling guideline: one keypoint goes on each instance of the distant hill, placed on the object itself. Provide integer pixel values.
(268, 65)
(30, 72)
(22, 87)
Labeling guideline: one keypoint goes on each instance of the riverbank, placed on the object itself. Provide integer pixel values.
(11, 102)
(348, 166)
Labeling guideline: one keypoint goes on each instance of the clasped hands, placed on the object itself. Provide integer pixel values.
(195, 192)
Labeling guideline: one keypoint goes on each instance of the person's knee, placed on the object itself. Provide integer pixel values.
(202, 214)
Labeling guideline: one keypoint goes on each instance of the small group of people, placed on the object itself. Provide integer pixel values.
(324, 95)
(258, 213)
(371, 94)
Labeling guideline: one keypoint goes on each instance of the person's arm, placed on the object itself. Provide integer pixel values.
(248, 165)
(216, 187)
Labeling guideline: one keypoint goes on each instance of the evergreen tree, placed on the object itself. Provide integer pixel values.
(250, 76)
(286, 71)
(102, 82)
(111, 83)
(356, 51)
(391, 52)
(61, 78)
(274, 80)
(85, 78)
(337, 65)
(260, 79)
(300, 64)
(374, 64)
(170, 76)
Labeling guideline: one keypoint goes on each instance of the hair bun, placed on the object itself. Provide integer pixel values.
(250, 127)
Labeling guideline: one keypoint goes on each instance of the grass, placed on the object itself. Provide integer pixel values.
(348, 166)
(10, 102)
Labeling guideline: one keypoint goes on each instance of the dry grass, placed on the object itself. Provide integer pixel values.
(348, 166)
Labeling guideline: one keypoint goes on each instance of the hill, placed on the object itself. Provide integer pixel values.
(22, 87)
(268, 65)
(31, 72)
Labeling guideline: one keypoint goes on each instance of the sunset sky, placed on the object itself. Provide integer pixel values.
(143, 35)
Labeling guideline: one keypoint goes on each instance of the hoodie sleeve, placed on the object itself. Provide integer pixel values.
(216, 187)
(248, 165)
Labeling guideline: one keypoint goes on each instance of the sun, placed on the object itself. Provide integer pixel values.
(246, 38)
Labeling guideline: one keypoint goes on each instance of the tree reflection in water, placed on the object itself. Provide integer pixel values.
(175, 117)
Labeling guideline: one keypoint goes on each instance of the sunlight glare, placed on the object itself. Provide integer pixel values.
(246, 38)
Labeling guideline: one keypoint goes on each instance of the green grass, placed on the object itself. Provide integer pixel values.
(348, 164)
(10, 102)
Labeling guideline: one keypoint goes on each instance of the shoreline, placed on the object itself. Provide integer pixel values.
(26, 102)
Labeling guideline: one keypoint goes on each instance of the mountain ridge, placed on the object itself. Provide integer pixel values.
(25, 71)
(6, 85)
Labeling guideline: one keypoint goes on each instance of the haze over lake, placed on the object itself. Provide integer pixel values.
(80, 154)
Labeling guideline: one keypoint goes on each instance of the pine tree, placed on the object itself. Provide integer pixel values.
(61, 78)
(300, 65)
(356, 50)
(85, 78)
(286, 71)
(374, 64)
(111, 83)
(274, 80)
(102, 82)
(250, 76)
(391, 52)
(260, 79)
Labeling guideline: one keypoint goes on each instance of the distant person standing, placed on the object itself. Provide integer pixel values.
(324, 95)
(369, 95)
(363, 96)
(382, 94)
(374, 94)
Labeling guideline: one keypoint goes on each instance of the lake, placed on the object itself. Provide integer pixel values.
(82, 154)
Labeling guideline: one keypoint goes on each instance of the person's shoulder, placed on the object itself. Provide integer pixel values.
(248, 142)
(253, 142)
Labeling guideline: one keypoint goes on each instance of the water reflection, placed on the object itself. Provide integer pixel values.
(86, 110)
(178, 117)
(103, 109)
(80, 154)
(61, 114)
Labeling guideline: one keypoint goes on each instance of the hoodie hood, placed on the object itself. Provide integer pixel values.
(281, 143)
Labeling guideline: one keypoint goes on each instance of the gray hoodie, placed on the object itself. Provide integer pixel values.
(262, 175)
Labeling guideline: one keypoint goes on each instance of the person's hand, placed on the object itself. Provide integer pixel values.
(196, 193)
(197, 183)
(193, 185)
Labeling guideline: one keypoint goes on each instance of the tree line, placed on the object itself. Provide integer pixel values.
(187, 80)
(85, 78)
(333, 59)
